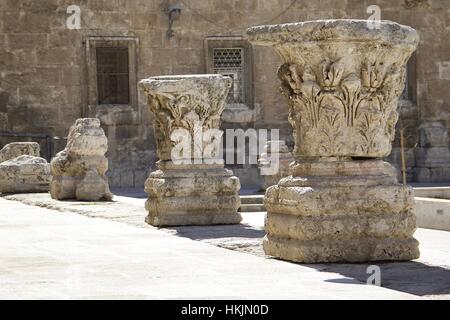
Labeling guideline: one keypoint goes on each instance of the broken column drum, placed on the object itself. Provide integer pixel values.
(79, 171)
(342, 203)
(194, 191)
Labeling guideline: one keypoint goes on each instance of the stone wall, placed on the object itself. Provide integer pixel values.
(44, 71)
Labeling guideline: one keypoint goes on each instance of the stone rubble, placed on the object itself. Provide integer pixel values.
(24, 174)
(16, 149)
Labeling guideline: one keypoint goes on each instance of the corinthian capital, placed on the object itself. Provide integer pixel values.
(184, 103)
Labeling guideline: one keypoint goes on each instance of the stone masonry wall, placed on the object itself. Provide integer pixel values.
(43, 71)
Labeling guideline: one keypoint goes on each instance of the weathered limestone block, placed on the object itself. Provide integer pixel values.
(343, 80)
(267, 158)
(78, 172)
(24, 174)
(16, 149)
(189, 188)
(433, 155)
(341, 210)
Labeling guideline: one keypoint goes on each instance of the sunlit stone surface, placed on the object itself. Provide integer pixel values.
(341, 203)
(24, 174)
(195, 192)
(22, 169)
(78, 172)
(16, 149)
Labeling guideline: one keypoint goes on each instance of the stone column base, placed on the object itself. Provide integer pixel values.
(340, 211)
(192, 195)
(432, 164)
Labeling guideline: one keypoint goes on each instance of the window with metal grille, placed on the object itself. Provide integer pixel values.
(230, 62)
(112, 75)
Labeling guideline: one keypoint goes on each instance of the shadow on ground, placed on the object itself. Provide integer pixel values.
(130, 192)
(217, 232)
(411, 277)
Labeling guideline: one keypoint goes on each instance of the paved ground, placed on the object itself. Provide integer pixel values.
(129, 208)
(56, 254)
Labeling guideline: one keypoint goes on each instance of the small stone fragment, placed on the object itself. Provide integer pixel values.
(15, 149)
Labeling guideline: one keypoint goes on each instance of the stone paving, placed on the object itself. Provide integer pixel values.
(49, 254)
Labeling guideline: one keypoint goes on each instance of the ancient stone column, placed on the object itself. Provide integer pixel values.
(274, 151)
(342, 203)
(191, 187)
(78, 172)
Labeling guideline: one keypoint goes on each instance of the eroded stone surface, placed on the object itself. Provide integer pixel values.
(199, 196)
(78, 172)
(341, 211)
(274, 151)
(192, 193)
(16, 149)
(24, 174)
(343, 80)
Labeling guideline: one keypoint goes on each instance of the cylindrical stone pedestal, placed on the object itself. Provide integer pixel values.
(342, 203)
(191, 187)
